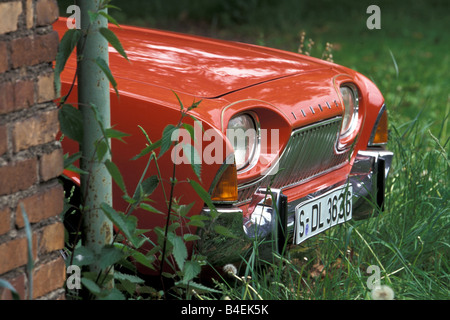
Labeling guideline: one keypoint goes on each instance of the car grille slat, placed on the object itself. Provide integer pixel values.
(311, 151)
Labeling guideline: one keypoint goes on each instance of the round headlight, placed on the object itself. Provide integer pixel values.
(242, 133)
(350, 98)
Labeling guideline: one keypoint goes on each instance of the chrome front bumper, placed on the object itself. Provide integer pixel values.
(270, 226)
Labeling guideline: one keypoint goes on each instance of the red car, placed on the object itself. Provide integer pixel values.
(289, 145)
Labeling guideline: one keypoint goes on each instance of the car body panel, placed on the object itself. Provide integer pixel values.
(285, 91)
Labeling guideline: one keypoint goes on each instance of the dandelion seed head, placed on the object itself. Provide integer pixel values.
(382, 293)
(230, 269)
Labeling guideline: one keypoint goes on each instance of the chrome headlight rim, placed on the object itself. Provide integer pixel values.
(348, 126)
(253, 154)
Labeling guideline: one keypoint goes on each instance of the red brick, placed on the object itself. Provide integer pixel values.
(33, 50)
(18, 176)
(51, 165)
(23, 94)
(3, 140)
(49, 277)
(14, 254)
(18, 283)
(45, 204)
(5, 220)
(52, 238)
(16, 95)
(46, 12)
(39, 129)
(3, 57)
(46, 88)
(9, 16)
(30, 13)
(6, 97)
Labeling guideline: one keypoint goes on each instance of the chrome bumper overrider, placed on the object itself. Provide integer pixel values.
(270, 226)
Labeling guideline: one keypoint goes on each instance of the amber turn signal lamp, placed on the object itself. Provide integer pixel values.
(380, 136)
(226, 188)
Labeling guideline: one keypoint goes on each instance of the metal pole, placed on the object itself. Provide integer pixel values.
(93, 88)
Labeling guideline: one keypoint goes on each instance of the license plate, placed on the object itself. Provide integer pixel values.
(321, 213)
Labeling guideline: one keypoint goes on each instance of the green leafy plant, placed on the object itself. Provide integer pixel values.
(171, 248)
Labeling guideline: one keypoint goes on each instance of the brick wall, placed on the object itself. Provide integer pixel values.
(30, 157)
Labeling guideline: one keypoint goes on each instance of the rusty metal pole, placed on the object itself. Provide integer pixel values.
(93, 89)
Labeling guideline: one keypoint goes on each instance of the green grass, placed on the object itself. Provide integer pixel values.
(409, 60)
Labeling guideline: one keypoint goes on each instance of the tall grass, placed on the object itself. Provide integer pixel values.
(409, 241)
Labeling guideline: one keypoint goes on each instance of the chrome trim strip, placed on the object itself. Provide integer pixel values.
(273, 225)
(310, 152)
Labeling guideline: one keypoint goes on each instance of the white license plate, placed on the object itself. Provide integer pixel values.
(321, 213)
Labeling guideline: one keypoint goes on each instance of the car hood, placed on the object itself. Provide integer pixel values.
(200, 66)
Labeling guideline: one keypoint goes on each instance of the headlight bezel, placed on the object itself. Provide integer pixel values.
(351, 109)
(249, 161)
(351, 115)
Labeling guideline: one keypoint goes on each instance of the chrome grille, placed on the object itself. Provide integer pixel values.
(311, 151)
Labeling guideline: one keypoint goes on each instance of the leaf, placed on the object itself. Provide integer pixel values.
(146, 261)
(68, 160)
(166, 140)
(183, 209)
(203, 195)
(145, 188)
(149, 185)
(65, 48)
(197, 221)
(200, 288)
(120, 221)
(114, 41)
(109, 255)
(115, 134)
(193, 158)
(30, 263)
(93, 16)
(179, 250)
(191, 270)
(194, 105)
(224, 231)
(71, 122)
(123, 276)
(127, 286)
(102, 148)
(91, 286)
(149, 208)
(101, 63)
(190, 129)
(7, 285)
(115, 174)
(110, 19)
(179, 100)
(83, 256)
(191, 237)
(110, 6)
(148, 149)
(113, 294)
(75, 169)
